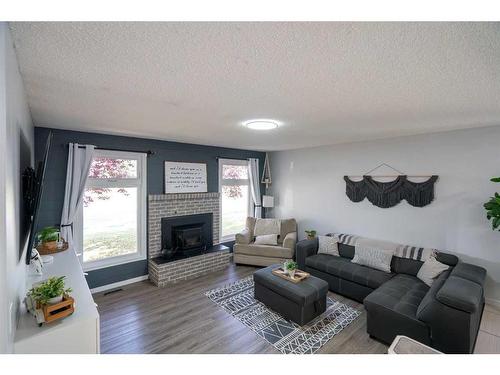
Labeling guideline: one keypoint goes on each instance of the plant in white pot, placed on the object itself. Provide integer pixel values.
(49, 292)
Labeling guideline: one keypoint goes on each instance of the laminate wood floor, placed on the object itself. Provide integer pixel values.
(143, 318)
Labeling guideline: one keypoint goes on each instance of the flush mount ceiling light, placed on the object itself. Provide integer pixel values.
(261, 124)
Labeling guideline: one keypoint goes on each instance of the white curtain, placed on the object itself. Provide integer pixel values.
(253, 174)
(79, 161)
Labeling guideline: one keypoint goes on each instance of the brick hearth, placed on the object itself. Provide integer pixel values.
(186, 269)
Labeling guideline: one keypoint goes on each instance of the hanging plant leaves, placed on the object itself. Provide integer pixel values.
(493, 208)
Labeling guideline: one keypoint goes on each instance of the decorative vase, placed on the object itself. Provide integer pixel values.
(291, 273)
(54, 300)
(310, 237)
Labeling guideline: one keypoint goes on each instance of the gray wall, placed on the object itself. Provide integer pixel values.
(308, 185)
(52, 200)
(16, 152)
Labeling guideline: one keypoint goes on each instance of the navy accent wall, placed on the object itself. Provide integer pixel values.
(55, 178)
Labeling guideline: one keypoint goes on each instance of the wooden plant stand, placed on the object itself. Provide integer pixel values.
(57, 310)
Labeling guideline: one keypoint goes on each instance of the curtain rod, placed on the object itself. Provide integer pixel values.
(391, 175)
(148, 152)
(220, 157)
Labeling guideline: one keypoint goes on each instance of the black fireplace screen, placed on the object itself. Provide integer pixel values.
(184, 233)
(187, 238)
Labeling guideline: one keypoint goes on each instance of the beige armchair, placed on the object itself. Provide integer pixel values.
(247, 252)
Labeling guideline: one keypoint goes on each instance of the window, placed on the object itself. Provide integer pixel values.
(113, 215)
(234, 188)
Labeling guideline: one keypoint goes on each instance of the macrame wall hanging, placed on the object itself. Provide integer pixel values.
(389, 194)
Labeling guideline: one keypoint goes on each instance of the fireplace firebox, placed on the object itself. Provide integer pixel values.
(184, 236)
(188, 237)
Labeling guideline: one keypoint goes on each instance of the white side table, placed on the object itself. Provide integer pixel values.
(406, 345)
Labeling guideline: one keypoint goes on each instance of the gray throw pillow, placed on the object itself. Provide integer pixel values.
(430, 270)
(328, 245)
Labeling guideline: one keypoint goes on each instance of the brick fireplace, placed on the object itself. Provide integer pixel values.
(184, 218)
(171, 205)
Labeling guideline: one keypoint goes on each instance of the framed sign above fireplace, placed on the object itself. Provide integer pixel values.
(181, 177)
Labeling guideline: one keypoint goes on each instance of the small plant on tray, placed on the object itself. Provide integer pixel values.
(50, 291)
(291, 267)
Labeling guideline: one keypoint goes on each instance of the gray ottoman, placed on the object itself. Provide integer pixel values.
(301, 302)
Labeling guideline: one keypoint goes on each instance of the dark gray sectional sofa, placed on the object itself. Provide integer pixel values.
(445, 316)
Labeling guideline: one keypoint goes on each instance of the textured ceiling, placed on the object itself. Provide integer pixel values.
(327, 82)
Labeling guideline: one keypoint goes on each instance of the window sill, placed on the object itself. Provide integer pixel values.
(111, 262)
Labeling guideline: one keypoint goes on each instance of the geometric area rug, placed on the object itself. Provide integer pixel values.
(288, 337)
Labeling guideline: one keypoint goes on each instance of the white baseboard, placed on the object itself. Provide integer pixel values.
(493, 302)
(118, 284)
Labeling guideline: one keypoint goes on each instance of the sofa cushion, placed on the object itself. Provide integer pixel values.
(287, 226)
(402, 294)
(470, 272)
(448, 259)
(250, 225)
(344, 269)
(374, 253)
(328, 245)
(430, 270)
(461, 294)
(266, 239)
(266, 226)
(430, 297)
(263, 251)
(346, 251)
(405, 265)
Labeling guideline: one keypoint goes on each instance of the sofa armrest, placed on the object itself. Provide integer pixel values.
(290, 240)
(470, 272)
(243, 237)
(304, 249)
(461, 294)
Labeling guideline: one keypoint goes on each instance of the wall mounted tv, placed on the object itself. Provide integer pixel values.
(33, 182)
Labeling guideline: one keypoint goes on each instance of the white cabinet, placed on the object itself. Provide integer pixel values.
(77, 333)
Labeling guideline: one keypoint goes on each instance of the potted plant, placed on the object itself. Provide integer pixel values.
(311, 234)
(49, 292)
(291, 267)
(493, 208)
(47, 239)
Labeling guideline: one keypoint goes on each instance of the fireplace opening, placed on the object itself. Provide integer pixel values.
(188, 237)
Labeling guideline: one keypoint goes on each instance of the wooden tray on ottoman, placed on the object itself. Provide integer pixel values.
(299, 275)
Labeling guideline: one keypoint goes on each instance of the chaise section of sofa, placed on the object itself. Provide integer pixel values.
(445, 316)
(452, 309)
